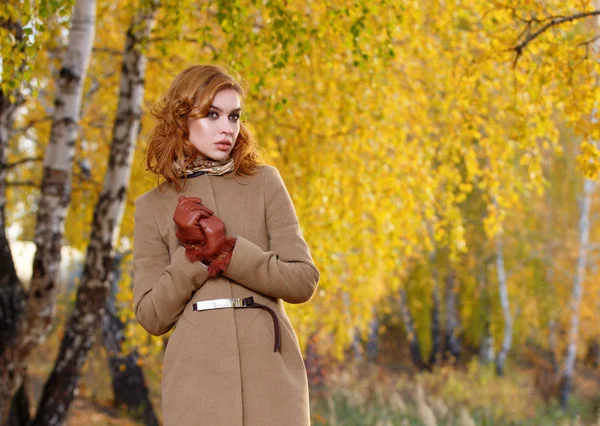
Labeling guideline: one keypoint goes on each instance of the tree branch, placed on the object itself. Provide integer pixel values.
(553, 21)
(22, 161)
(587, 43)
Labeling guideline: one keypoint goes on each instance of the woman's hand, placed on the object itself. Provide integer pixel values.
(203, 235)
(188, 213)
(214, 232)
(217, 248)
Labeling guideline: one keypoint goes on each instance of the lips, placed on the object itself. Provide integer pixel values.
(223, 145)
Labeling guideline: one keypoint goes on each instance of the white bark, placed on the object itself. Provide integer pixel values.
(577, 291)
(97, 275)
(505, 304)
(487, 352)
(56, 181)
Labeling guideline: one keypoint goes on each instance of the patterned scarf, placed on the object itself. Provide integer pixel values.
(202, 165)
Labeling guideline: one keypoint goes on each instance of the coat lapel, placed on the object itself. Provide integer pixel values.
(225, 196)
(200, 187)
(230, 197)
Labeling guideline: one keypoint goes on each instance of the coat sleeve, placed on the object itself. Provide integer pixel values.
(287, 270)
(163, 284)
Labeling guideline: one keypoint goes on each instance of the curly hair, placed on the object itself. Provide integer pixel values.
(190, 96)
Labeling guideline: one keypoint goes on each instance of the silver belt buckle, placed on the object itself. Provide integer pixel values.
(204, 305)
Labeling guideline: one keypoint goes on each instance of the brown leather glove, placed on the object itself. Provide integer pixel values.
(187, 215)
(217, 248)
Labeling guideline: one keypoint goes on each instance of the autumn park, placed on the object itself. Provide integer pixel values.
(443, 160)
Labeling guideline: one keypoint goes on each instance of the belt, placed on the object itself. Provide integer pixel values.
(238, 302)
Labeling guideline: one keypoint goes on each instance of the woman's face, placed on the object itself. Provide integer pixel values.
(214, 136)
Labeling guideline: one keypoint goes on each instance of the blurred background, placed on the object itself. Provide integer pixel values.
(442, 157)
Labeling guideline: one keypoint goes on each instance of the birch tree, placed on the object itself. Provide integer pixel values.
(129, 384)
(56, 181)
(19, 46)
(452, 346)
(589, 186)
(577, 292)
(59, 391)
(505, 304)
(12, 294)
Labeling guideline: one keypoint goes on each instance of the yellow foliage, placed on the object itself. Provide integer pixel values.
(387, 120)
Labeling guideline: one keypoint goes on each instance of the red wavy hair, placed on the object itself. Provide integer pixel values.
(190, 96)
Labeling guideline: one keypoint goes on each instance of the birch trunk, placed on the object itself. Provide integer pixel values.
(92, 293)
(577, 293)
(435, 356)
(452, 346)
(12, 294)
(413, 340)
(436, 324)
(56, 181)
(486, 348)
(504, 303)
(129, 386)
(372, 342)
(584, 236)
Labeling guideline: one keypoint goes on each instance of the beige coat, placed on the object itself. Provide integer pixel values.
(219, 367)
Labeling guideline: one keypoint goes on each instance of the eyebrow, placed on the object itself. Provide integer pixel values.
(220, 110)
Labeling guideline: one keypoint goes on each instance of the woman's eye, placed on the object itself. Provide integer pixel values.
(234, 117)
(212, 114)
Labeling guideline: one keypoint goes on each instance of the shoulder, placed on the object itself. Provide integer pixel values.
(264, 175)
(153, 199)
(268, 174)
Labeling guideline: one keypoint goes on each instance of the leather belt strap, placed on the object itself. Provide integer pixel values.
(237, 303)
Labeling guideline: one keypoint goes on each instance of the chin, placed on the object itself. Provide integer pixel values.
(220, 156)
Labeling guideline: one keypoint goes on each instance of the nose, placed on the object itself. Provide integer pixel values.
(226, 127)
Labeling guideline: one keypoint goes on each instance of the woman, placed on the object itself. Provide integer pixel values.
(219, 237)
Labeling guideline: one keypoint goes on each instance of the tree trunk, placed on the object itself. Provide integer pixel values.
(12, 294)
(435, 355)
(413, 340)
(486, 348)
(129, 385)
(19, 410)
(577, 293)
(32, 319)
(504, 302)
(552, 326)
(593, 353)
(372, 342)
(92, 293)
(56, 181)
(12, 297)
(452, 347)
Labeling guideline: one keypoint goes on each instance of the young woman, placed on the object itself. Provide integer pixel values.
(217, 249)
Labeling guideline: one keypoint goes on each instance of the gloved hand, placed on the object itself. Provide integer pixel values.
(187, 215)
(217, 248)
(214, 232)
